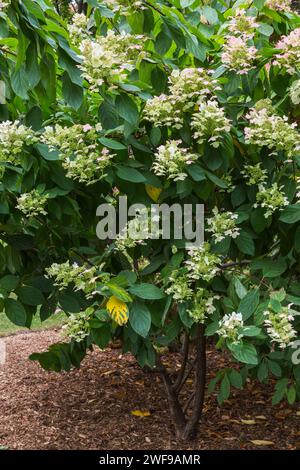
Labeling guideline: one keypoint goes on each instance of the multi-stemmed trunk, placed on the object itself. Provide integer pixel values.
(186, 415)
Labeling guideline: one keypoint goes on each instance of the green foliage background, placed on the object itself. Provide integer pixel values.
(39, 66)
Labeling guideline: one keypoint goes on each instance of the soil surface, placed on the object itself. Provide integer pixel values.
(91, 408)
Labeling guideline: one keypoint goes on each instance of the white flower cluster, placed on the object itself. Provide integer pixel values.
(162, 110)
(280, 5)
(228, 180)
(135, 233)
(210, 123)
(77, 327)
(108, 59)
(79, 150)
(186, 86)
(78, 29)
(202, 263)
(83, 277)
(289, 58)
(189, 84)
(13, 138)
(125, 6)
(254, 174)
(267, 129)
(171, 160)
(295, 92)
(32, 204)
(279, 326)
(242, 25)
(230, 326)
(3, 5)
(237, 55)
(203, 305)
(271, 199)
(222, 224)
(179, 286)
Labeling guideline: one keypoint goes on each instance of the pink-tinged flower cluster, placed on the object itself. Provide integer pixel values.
(238, 56)
(242, 25)
(289, 58)
(279, 5)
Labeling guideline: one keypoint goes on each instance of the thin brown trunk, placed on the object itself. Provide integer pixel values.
(200, 379)
(186, 426)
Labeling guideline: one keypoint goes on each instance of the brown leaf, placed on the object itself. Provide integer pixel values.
(259, 442)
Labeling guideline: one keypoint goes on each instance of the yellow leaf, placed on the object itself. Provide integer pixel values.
(141, 413)
(259, 442)
(248, 421)
(153, 192)
(118, 310)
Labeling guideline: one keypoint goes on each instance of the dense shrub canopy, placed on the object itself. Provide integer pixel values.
(170, 101)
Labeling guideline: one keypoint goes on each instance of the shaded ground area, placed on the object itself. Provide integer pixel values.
(91, 408)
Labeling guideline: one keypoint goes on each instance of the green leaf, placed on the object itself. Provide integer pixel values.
(262, 372)
(101, 336)
(15, 312)
(140, 318)
(259, 4)
(119, 292)
(291, 395)
(217, 181)
(236, 379)
(250, 330)
(112, 144)
(269, 267)
(265, 29)
(46, 153)
(127, 108)
(212, 328)
(9, 282)
(73, 94)
(291, 214)
(69, 303)
(240, 289)
(196, 172)
(30, 295)
(274, 368)
(20, 83)
(245, 243)
(186, 319)
(244, 352)
(224, 389)
(130, 174)
(249, 303)
(210, 14)
(147, 291)
(108, 115)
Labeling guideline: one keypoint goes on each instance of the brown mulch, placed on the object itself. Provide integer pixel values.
(91, 408)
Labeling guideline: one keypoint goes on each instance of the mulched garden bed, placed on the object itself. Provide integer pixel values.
(91, 408)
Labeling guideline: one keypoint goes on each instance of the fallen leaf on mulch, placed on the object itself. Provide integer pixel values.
(248, 421)
(261, 417)
(259, 442)
(141, 413)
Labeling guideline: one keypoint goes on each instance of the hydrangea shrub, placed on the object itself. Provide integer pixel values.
(175, 101)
